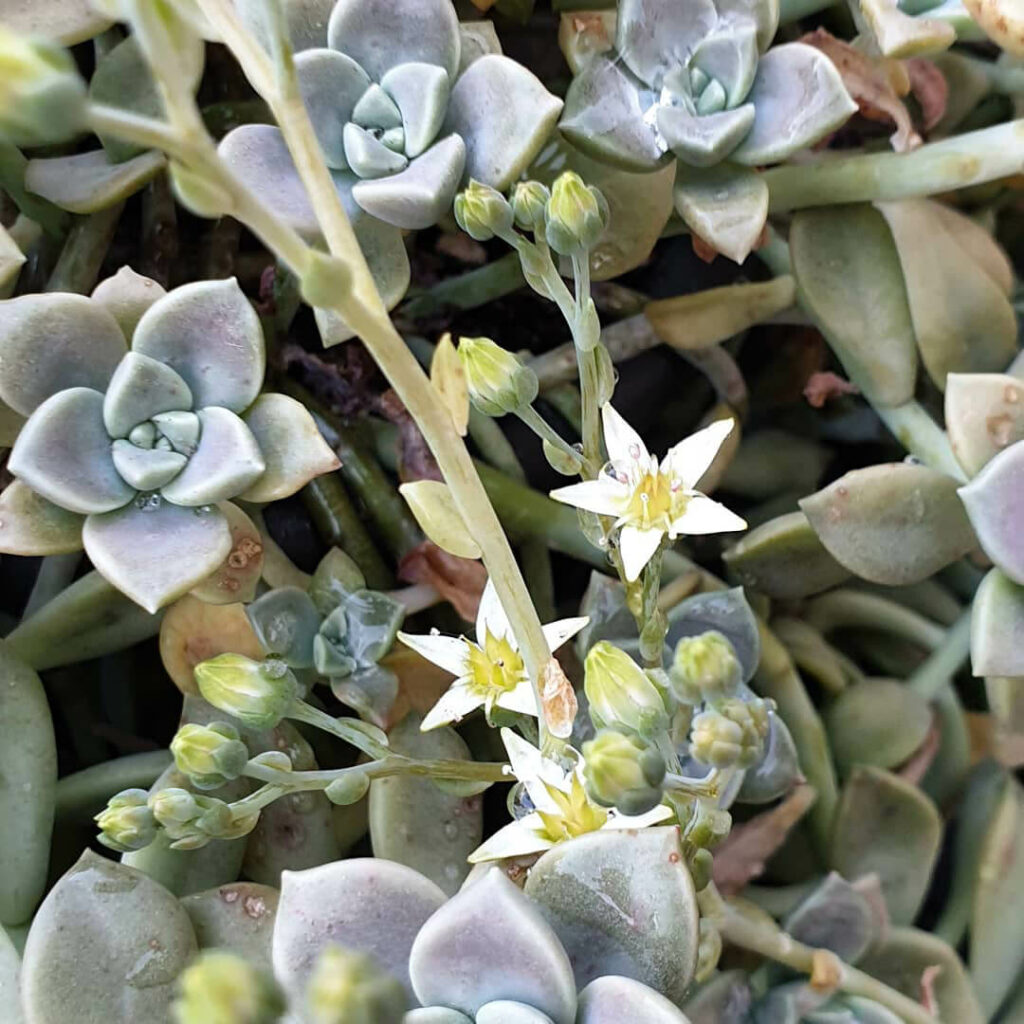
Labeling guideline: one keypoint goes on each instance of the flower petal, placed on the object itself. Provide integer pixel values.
(556, 633)
(504, 114)
(55, 341)
(519, 699)
(490, 616)
(157, 553)
(331, 85)
(605, 497)
(140, 388)
(449, 652)
(455, 703)
(31, 525)
(381, 34)
(703, 515)
(293, 448)
(516, 839)
(533, 770)
(621, 441)
(616, 820)
(636, 548)
(63, 453)
(226, 463)
(689, 460)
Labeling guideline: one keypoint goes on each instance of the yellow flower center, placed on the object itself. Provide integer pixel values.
(656, 500)
(495, 668)
(576, 815)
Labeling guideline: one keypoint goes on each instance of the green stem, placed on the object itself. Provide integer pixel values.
(85, 793)
(945, 660)
(80, 260)
(55, 574)
(52, 219)
(853, 609)
(709, 786)
(546, 432)
(467, 291)
(968, 159)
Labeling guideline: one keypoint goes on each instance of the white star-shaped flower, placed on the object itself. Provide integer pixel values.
(562, 809)
(651, 500)
(490, 672)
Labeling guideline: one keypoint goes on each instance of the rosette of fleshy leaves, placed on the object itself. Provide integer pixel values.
(697, 82)
(338, 629)
(404, 112)
(144, 416)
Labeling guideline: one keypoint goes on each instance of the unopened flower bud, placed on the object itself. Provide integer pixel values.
(483, 212)
(623, 771)
(348, 788)
(705, 668)
(209, 755)
(577, 215)
(529, 205)
(42, 95)
(497, 381)
(730, 734)
(191, 821)
(346, 987)
(622, 696)
(258, 694)
(127, 823)
(221, 987)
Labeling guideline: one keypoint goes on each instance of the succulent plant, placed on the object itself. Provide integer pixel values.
(697, 82)
(132, 449)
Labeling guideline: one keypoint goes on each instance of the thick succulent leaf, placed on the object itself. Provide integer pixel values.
(238, 576)
(54, 341)
(604, 118)
(453, 960)
(704, 139)
(478, 38)
(894, 523)
(984, 415)
(126, 296)
(227, 462)
(306, 20)
(376, 109)
(978, 243)
(146, 469)
(31, 525)
(331, 85)
(420, 195)
(63, 453)
(367, 904)
(777, 772)
(211, 335)
(66, 22)
(504, 115)
(727, 206)
(655, 36)
(507, 1011)
(180, 428)
(878, 722)
(728, 55)
(841, 254)
(613, 999)
(997, 625)
(764, 14)
(799, 97)
(622, 903)
(12, 259)
(436, 1015)
(286, 622)
(122, 79)
(10, 976)
(141, 387)
(368, 156)
(380, 34)
(886, 826)
(421, 93)
(238, 917)
(784, 558)
(963, 321)
(136, 937)
(994, 500)
(158, 552)
(414, 822)
(897, 34)
(86, 182)
(903, 956)
(726, 992)
(727, 612)
(836, 916)
(293, 449)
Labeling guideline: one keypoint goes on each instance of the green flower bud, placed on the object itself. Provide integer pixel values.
(349, 788)
(192, 821)
(622, 696)
(701, 862)
(529, 205)
(623, 772)
(209, 755)
(258, 694)
(42, 96)
(127, 823)
(497, 381)
(577, 215)
(730, 734)
(709, 949)
(346, 987)
(222, 988)
(483, 212)
(705, 668)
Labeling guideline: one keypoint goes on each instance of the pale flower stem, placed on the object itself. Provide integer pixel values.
(546, 432)
(770, 941)
(385, 767)
(300, 711)
(708, 786)
(935, 674)
(588, 366)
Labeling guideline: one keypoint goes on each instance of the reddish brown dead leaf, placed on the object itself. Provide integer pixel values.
(743, 855)
(459, 580)
(822, 386)
(483, 5)
(558, 699)
(462, 248)
(916, 767)
(930, 89)
(928, 978)
(708, 253)
(415, 459)
(874, 83)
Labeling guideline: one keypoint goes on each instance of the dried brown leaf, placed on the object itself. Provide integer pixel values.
(928, 999)
(822, 386)
(743, 855)
(558, 699)
(930, 89)
(459, 580)
(459, 246)
(415, 459)
(915, 769)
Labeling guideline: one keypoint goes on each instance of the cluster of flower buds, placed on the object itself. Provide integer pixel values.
(731, 733)
(346, 987)
(221, 986)
(624, 772)
(210, 755)
(127, 823)
(622, 695)
(257, 693)
(497, 381)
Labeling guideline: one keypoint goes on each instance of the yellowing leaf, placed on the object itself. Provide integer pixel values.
(449, 379)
